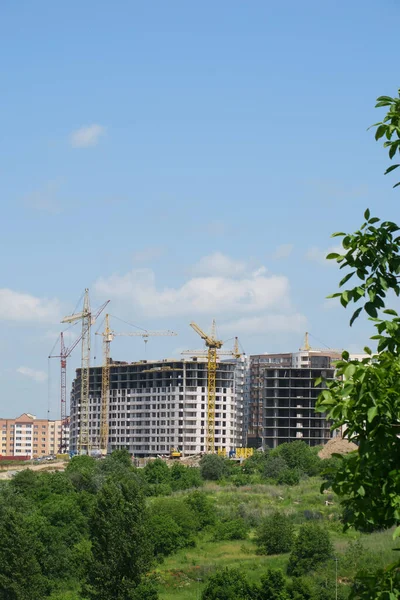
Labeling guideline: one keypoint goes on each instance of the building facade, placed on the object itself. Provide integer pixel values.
(158, 405)
(283, 396)
(28, 436)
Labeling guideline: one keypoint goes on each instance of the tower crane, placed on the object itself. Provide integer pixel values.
(108, 335)
(65, 353)
(214, 351)
(88, 319)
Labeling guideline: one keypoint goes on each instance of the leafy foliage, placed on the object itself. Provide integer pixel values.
(228, 584)
(389, 128)
(275, 534)
(311, 548)
(214, 467)
(120, 539)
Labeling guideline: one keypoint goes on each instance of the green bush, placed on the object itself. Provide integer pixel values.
(157, 471)
(275, 534)
(214, 467)
(274, 467)
(202, 506)
(289, 477)
(235, 529)
(229, 584)
(184, 478)
(298, 455)
(311, 548)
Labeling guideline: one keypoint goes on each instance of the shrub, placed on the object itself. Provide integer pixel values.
(203, 508)
(214, 467)
(299, 455)
(311, 548)
(275, 534)
(157, 471)
(184, 478)
(235, 529)
(289, 477)
(178, 519)
(229, 584)
(273, 586)
(274, 467)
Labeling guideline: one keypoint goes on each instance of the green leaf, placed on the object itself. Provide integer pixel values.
(380, 132)
(385, 99)
(396, 533)
(338, 234)
(346, 278)
(318, 381)
(372, 412)
(335, 295)
(367, 214)
(391, 168)
(332, 255)
(396, 184)
(370, 309)
(361, 490)
(374, 219)
(367, 350)
(349, 371)
(390, 311)
(355, 315)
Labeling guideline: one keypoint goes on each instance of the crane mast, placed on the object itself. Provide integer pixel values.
(105, 386)
(87, 319)
(213, 345)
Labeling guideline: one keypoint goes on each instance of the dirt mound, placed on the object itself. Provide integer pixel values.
(336, 445)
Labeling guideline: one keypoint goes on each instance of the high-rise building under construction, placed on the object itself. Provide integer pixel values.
(283, 396)
(158, 405)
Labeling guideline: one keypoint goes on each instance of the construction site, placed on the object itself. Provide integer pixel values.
(217, 400)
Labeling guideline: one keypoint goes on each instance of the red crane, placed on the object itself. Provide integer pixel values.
(64, 354)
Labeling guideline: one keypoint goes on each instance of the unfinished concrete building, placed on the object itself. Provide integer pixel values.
(157, 405)
(283, 396)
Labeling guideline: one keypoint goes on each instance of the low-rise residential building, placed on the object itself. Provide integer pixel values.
(28, 436)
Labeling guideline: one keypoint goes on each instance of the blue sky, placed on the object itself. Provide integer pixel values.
(187, 160)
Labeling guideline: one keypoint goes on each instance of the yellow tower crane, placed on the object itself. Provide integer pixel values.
(108, 336)
(213, 345)
(87, 321)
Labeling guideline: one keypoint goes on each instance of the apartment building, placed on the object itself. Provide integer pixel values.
(28, 436)
(157, 405)
(283, 396)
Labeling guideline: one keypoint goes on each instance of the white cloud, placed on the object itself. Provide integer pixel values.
(45, 198)
(38, 376)
(218, 264)
(319, 255)
(15, 306)
(86, 136)
(148, 254)
(272, 323)
(283, 251)
(231, 292)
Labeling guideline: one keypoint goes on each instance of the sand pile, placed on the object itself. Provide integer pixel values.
(336, 445)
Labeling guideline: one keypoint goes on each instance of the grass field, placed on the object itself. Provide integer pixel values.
(183, 575)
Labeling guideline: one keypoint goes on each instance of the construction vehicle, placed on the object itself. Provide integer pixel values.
(175, 453)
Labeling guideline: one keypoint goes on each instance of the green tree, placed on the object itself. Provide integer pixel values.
(274, 467)
(298, 455)
(214, 467)
(229, 584)
(121, 547)
(202, 506)
(21, 576)
(157, 471)
(273, 586)
(184, 478)
(275, 534)
(311, 548)
(365, 400)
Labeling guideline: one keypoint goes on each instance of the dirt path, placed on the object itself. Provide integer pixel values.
(48, 466)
